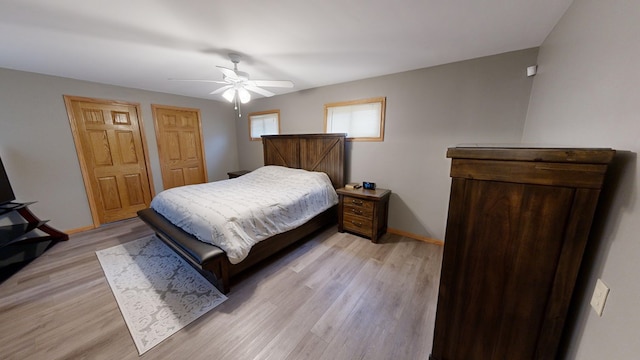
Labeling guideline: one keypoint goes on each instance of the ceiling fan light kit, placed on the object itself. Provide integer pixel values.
(229, 95)
(244, 95)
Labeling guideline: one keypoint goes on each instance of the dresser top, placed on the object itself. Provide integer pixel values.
(529, 153)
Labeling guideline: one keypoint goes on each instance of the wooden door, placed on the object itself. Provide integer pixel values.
(111, 150)
(180, 146)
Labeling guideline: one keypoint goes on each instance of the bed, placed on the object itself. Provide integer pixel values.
(314, 152)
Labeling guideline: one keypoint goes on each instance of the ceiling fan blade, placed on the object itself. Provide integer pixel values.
(200, 80)
(228, 73)
(260, 91)
(273, 83)
(220, 90)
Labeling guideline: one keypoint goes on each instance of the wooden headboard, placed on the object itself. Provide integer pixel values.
(313, 152)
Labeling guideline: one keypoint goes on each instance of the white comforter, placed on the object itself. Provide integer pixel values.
(235, 214)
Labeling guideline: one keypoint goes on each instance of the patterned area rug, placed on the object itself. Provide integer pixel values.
(157, 291)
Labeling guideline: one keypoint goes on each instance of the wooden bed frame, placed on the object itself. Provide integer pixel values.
(314, 152)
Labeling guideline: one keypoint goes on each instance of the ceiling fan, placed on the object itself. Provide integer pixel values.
(238, 85)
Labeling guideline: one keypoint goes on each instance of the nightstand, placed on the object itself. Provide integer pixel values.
(235, 174)
(363, 212)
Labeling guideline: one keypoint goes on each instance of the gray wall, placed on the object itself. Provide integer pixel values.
(38, 152)
(587, 93)
(482, 100)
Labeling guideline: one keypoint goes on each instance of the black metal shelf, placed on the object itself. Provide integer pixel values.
(12, 206)
(18, 246)
(10, 233)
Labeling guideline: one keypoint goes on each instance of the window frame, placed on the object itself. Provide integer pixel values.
(259, 113)
(383, 105)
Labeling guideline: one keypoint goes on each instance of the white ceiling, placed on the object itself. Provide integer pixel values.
(142, 43)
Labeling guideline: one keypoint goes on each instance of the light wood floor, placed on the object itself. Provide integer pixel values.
(336, 296)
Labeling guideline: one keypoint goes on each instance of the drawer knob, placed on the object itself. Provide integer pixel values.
(356, 211)
(357, 202)
(358, 224)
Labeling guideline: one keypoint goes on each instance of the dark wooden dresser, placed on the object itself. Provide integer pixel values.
(518, 223)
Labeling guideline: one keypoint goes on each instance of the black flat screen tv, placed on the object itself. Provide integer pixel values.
(6, 192)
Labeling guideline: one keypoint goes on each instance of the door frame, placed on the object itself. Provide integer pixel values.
(68, 99)
(201, 137)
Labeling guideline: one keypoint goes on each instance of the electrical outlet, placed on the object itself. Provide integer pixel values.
(599, 297)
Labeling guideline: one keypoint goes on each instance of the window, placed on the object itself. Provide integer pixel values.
(362, 120)
(264, 123)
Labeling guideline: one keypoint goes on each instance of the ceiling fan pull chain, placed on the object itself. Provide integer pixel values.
(237, 107)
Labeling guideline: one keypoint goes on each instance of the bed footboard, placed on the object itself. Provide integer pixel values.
(208, 259)
(212, 262)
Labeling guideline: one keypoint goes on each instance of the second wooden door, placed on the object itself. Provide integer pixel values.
(180, 146)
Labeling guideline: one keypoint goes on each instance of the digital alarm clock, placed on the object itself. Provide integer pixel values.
(369, 185)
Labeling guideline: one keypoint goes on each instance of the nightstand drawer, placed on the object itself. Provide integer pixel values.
(368, 204)
(358, 224)
(364, 211)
